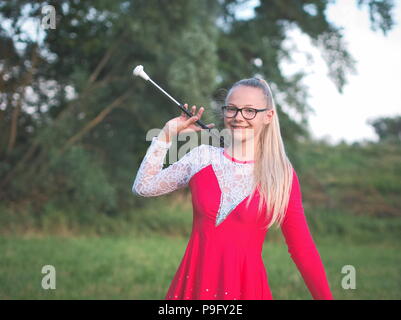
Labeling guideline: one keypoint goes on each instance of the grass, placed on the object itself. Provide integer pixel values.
(136, 255)
(88, 268)
(143, 267)
(377, 269)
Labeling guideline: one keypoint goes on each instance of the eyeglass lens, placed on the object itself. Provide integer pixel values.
(247, 113)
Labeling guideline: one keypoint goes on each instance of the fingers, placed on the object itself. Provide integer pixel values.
(182, 112)
(200, 112)
(191, 120)
(211, 125)
(193, 111)
(198, 128)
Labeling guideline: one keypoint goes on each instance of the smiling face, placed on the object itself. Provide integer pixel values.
(241, 128)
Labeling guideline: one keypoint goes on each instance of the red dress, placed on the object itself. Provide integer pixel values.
(223, 257)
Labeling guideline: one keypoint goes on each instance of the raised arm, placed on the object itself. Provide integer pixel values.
(151, 180)
(302, 247)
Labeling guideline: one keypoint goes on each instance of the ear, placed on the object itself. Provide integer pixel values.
(268, 116)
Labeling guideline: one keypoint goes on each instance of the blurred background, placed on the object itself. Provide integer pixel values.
(74, 123)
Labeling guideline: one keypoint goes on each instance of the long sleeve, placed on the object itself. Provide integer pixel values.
(302, 247)
(151, 180)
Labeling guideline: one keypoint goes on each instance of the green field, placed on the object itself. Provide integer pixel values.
(136, 255)
(142, 267)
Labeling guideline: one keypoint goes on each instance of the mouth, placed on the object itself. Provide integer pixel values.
(239, 127)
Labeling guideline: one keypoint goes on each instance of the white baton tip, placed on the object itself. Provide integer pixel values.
(138, 71)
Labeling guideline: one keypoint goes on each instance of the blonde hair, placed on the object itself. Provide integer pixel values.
(273, 171)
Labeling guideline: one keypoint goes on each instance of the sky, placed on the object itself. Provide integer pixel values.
(374, 91)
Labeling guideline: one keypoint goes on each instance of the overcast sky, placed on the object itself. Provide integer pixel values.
(373, 92)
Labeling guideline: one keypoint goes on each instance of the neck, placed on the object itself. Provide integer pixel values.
(242, 150)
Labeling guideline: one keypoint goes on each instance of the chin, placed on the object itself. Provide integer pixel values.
(242, 134)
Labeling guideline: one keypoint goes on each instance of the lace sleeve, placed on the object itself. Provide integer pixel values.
(301, 245)
(151, 180)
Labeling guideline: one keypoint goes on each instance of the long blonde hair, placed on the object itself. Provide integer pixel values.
(273, 171)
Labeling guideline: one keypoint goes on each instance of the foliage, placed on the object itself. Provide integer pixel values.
(72, 119)
(388, 129)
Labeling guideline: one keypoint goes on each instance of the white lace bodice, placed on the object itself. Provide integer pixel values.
(235, 179)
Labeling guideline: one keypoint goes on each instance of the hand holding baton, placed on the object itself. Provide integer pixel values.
(138, 71)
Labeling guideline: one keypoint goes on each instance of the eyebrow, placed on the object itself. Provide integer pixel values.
(247, 105)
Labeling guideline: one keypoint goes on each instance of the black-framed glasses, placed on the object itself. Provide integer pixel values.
(247, 112)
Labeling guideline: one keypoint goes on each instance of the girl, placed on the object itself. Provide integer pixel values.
(238, 192)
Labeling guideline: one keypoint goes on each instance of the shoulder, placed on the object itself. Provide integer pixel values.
(205, 148)
(203, 154)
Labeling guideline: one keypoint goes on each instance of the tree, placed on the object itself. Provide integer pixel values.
(71, 117)
(387, 128)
